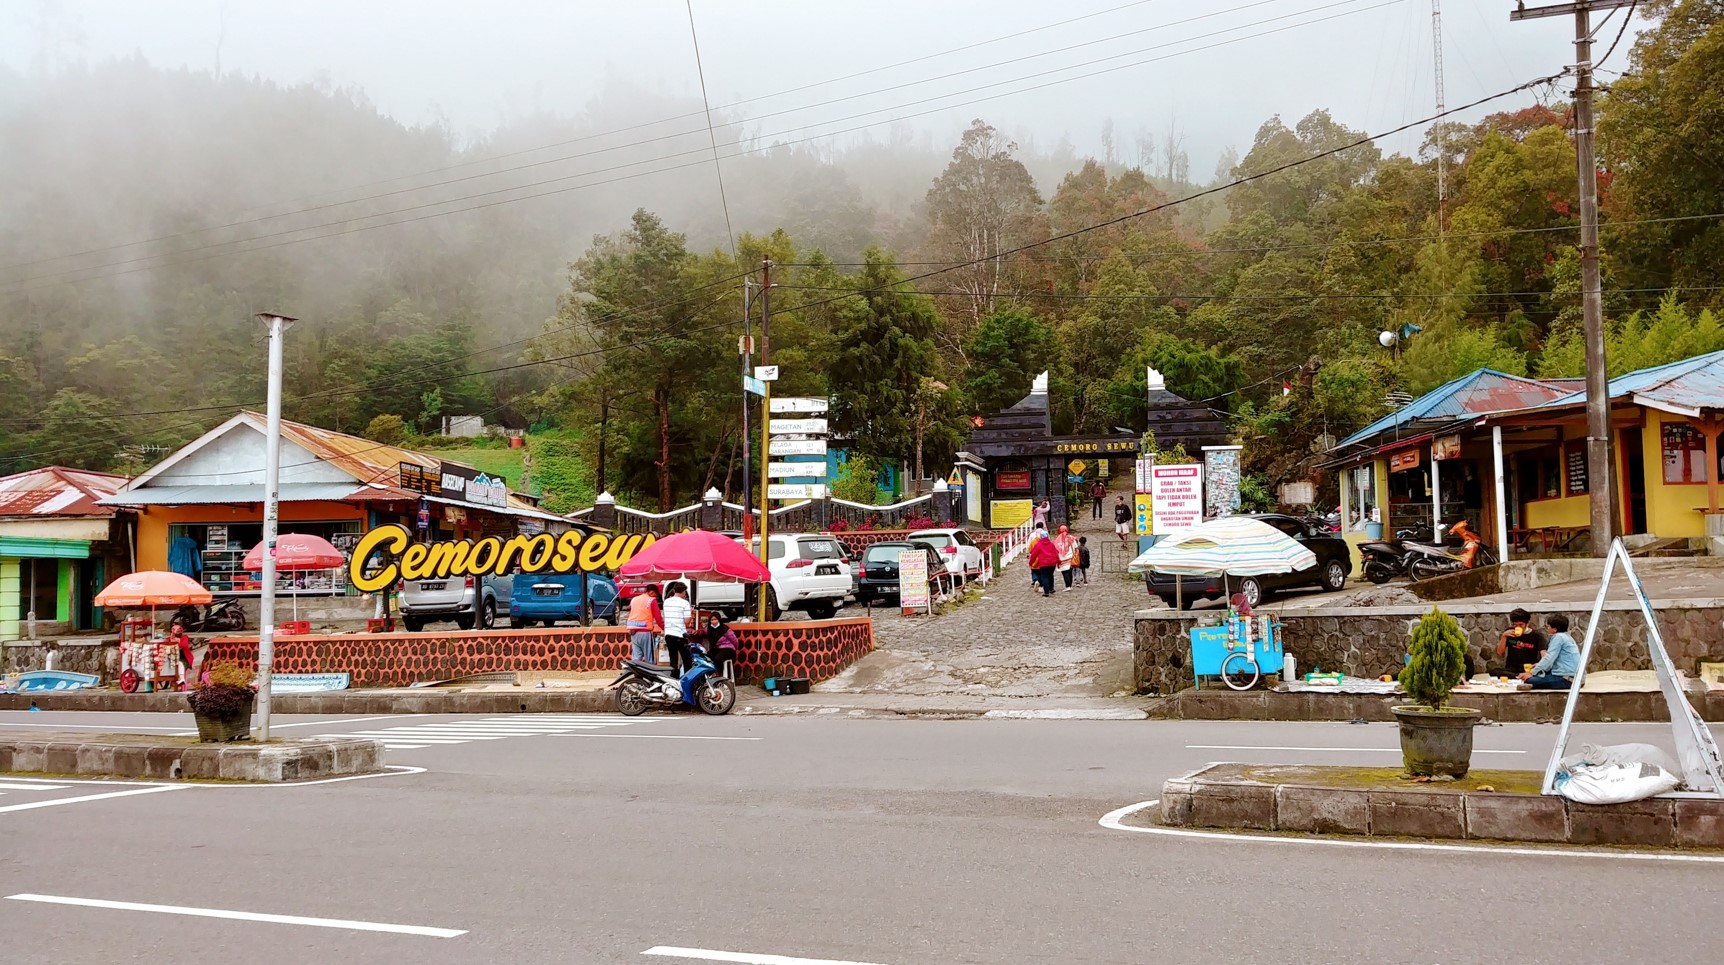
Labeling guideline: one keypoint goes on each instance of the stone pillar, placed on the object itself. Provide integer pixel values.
(712, 511)
(604, 512)
(942, 503)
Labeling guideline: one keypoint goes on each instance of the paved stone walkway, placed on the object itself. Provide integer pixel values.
(1008, 641)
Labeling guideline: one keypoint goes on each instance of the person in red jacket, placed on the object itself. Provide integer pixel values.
(1044, 556)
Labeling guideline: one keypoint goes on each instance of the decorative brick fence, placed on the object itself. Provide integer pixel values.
(1369, 641)
(818, 650)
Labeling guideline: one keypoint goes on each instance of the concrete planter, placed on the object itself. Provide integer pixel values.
(223, 729)
(1436, 742)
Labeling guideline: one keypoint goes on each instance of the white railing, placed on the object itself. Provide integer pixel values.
(1017, 539)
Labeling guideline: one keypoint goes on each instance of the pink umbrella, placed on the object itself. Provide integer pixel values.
(297, 551)
(696, 555)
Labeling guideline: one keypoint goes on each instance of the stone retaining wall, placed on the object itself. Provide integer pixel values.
(100, 657)
(1370, 641)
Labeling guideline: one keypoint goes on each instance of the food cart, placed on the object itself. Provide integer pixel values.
(1241, 650)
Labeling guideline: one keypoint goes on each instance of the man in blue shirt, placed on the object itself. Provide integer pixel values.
(1560, 663)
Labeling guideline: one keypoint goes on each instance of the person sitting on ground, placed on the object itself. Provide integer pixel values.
(1520, 645)
(1561, 662)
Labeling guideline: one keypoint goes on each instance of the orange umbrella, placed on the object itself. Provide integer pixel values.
(152, 588)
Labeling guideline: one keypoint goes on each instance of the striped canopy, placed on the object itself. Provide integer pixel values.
(1234, 545)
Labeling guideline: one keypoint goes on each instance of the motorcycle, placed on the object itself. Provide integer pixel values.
(1427, 560)
(222, 616)
(1386, 559)
(642, 685)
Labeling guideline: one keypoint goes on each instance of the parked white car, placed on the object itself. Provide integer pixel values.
(809, 573)
(963, 556)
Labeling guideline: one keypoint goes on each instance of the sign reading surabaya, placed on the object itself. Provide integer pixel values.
(403, 559)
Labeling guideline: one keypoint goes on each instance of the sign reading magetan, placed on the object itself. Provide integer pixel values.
(403, 559)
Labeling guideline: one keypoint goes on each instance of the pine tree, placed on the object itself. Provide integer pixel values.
(1439, 651)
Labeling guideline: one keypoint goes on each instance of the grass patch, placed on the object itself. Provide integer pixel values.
(492, 462)
(1392, 778)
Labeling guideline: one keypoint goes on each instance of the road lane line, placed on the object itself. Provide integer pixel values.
(89, 797)
(1353, 750)
(747, 958)
(662, 737)
(318, 723)
(404, 747)
(115, 728)
(1114, 821)
(244, 916)
(32, 787)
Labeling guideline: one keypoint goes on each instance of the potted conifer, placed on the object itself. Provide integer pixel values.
(1435, 739)
(222, 703)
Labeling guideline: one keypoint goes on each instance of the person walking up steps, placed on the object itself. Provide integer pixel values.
(1083, 561)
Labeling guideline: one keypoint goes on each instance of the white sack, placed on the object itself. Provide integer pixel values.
(1614, 783)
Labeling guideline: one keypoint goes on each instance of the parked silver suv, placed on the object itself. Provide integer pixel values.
(468, 601)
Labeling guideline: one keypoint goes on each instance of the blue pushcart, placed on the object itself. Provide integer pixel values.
(1241, 651)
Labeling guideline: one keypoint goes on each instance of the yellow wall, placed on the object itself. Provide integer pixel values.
(153, 522)
(1566, 511)
(1670, 509)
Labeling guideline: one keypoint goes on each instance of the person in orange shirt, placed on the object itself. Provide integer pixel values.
(646, 622)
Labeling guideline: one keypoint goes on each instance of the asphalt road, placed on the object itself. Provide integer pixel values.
(573, 839)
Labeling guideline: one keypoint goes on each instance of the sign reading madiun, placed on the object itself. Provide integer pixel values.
(1177, 498)
(403, 559)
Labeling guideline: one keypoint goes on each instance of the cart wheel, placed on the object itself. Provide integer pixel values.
(1239, 672)
(129, 681)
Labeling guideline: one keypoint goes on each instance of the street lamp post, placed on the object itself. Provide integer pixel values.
(278, 324)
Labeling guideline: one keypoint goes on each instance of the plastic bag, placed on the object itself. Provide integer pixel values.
(1614, 783)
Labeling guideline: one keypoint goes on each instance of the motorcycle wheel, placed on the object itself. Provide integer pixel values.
(717, 696)
(232, 618)
(1378, 573)
(631, 701)
(1424, 569)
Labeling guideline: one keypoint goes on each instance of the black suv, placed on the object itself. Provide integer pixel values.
(1330, 571)
(878, 578)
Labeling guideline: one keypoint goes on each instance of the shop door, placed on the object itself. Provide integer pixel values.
(1634, 481)
(86, 583)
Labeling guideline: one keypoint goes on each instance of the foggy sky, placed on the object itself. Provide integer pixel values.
(472, 66)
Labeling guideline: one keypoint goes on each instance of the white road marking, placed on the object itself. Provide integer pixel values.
(244, 916)
(446, 732)
(116, 728)
(32, 787)
(404, 747)
(1338, 750)
(154, 789)
(747, 958)
(317, 723)
(663, 737)
(1114, 821)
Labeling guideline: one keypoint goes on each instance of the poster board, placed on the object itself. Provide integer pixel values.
(1177, 494)
(1221, 466)
(1145, 515)
(1009, 513)
(913, 581)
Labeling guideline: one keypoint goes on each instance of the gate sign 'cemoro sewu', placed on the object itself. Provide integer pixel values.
(571, 552)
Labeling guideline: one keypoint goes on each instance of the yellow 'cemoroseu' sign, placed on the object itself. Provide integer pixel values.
(571, 552)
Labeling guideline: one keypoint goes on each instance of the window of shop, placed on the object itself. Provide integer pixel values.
(1549, 467)
(39, 589)
(1684, 454)
(1364, 510)
(215, 555)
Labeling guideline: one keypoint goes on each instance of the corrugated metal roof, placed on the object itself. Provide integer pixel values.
(1686, 386)
(57, 491)
(366, 460)
(1476, 393)
(209, 495)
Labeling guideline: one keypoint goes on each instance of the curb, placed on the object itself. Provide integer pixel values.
(272, 763)
(336, 702)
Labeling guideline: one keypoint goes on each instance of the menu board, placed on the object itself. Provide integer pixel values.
(913, 580)
(1575, 466)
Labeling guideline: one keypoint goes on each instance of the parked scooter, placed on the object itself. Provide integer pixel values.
(642, 685)
(220, 616)
(1386, 559)
(1426, 560)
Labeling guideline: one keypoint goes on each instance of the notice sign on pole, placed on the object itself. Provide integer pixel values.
(795, 404)
(766, 373)
(1177, 498)
(1143, 474)
(913, 580)
(796, 447)
(795, 491)
(796, 470)
(754, 385)
(801, 427)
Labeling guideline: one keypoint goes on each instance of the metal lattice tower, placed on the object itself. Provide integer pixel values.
(1442, 138)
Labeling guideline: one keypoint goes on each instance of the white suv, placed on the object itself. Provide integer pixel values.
(963, 557)
(809, 572)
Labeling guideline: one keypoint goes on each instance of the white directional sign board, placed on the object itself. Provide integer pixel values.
(766, 373)
(796, 470)
(796, 447)
(795, 491)
(799, 405)
(801, 427)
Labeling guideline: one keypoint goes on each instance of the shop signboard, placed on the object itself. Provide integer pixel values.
(390, 553)
(1177, 493)
(473, 486)
(421, 479)
(913, 580)
(1446, 447)
(1405, 459)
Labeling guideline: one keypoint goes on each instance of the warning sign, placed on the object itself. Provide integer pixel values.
(1077, 466)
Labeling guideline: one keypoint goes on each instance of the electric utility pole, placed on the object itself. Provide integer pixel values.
(765, 421)
(1601, 487)
(1442, 139)
(746, 350)
(278, 324)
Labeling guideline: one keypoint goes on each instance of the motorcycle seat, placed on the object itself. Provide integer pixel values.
(644, 667)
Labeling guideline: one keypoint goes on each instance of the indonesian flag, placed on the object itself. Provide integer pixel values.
(1286, 387)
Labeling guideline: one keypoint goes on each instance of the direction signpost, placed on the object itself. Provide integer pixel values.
(793, 426)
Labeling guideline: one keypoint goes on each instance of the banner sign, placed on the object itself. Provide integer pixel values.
(473, 486)
(1143, 477)
(1406, 459)
(1012, 479)
(796, 447)
(913, 580)
(1177, 498)
(1221, 466)
(402, 559)
(306, 683)
(798, 405)
(796, 470)
(421, 479)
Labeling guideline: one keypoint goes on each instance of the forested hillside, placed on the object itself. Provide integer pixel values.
(440, 277)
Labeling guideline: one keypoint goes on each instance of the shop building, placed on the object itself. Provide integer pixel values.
(1022, 462)
(58, 547)
(201, 509)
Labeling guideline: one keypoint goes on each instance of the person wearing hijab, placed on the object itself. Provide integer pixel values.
(721, 645)
(1066, 544)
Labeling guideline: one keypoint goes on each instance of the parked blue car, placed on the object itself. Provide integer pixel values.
(551, 597)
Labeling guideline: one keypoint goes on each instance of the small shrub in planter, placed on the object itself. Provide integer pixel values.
(919, 522)
(1435, 739)
(222, 704)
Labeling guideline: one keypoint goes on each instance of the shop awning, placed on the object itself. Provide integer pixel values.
(211, 495)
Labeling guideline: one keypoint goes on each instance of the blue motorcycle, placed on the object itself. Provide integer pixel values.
(642, 685)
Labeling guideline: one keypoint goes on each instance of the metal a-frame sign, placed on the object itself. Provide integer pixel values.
(1696, 752)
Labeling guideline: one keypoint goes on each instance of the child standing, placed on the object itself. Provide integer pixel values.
(1083, 561)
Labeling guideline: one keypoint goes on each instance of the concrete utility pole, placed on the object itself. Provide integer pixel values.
(278, 324)
(746, 350)
(765, 421)
(1601, 487)
(1442, 138)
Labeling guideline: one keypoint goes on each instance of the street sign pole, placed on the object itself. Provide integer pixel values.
(765, 504)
